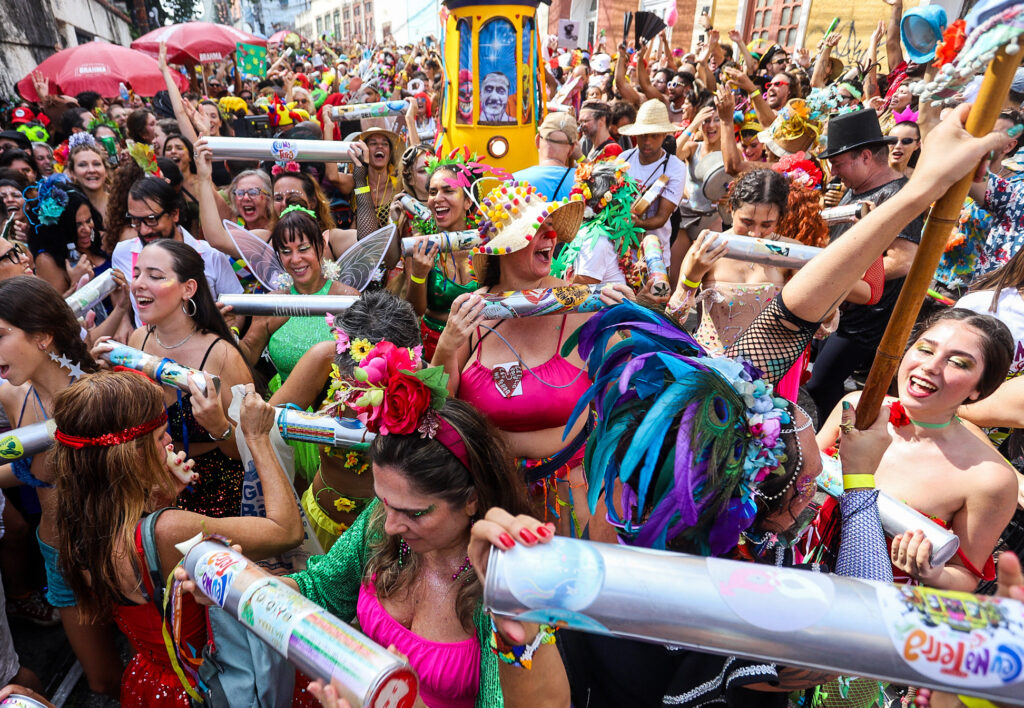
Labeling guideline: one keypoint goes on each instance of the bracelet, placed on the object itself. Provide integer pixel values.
(418, 281)
(858, 481)
(361, 190)
(689, 283)
(227, 433)
(755, 93)
(520, 655)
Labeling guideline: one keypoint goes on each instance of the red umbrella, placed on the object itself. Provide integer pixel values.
(99, 66)
(195, 42)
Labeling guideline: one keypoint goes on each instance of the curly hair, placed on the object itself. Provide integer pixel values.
(95, 148)
(801, 220)
(126, 174)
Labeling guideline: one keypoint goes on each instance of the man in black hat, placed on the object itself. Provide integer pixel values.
(858, 154)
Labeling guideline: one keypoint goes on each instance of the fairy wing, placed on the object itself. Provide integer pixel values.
(259, 256)
(360, 263)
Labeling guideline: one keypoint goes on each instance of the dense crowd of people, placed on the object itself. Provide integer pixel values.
(691, 418)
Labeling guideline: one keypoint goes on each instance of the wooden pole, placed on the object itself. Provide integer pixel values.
(945, 213)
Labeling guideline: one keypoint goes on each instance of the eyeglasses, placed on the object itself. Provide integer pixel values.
(906, 141)
(780, 60)
(778, 83)
(284, 196)
(252, 192)
(150, 221)
(15, 253)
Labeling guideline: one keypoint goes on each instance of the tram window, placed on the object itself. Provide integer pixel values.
(497, 67)
(464, 113)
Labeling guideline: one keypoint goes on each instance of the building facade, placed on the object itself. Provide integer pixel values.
(595, 16)
(344, 20)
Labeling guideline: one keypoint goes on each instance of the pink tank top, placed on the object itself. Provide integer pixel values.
(449, 671)
(518, 400)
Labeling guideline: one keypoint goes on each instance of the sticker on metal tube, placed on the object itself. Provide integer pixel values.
(215, 571)
(803, 598)
(955, 637)
(273, 610)
(565, 576)
(283, 150)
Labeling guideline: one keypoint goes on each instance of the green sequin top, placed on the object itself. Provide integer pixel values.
(295, 337)
(441, 293)
(332, 581)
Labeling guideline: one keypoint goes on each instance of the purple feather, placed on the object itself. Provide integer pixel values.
(727, 527)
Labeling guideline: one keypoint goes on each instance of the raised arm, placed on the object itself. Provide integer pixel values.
(749, 62)
(643, 75)
(622, 84)
(209, 212)
(893, 49)
(177, 103)
(819, 76)
(732, 156)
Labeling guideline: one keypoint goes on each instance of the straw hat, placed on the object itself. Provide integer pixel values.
(397, 144)
(792, 131)
(652, 118)
(515, 210)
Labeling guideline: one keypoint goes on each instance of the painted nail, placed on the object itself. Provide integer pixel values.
(846, 405)
(506, 540)
(527, 536)
(544, 532)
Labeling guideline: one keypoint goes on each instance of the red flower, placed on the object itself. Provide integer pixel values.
(405, 401)
(897, 415)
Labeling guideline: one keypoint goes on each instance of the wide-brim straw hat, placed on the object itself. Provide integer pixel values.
(652, 118)
(514, 211)
(397, 144)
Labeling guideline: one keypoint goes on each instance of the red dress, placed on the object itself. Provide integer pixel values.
(149, 679)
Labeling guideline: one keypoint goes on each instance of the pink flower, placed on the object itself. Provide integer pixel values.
(376, 369)
(343, 340)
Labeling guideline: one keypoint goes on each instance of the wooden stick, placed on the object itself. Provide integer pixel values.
(945, 213)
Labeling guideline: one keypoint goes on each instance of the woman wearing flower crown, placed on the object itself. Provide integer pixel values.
(693, 453)
(41, 353)
(436, 279)
(173, 298)
(88, 169)
(401, 569)
(519, 377)
(116, 480)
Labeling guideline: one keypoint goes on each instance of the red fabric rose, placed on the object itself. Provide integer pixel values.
(405, 401)
(897, 415)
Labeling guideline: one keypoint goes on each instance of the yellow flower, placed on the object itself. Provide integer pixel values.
(359, 348)
(351, 459)
(344, 504)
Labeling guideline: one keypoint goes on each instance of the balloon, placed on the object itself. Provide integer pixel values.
(672, 17)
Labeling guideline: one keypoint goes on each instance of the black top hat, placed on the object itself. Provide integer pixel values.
(850, 131)
(20, 138)
(763, 60)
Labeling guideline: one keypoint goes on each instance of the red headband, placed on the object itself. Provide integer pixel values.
(111, 439)
(448, 436)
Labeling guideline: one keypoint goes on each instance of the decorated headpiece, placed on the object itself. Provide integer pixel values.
(232, 107)
(100, 118)
(514, 211)
(391, 393)
(111, 439)
(907, 115)
(144, 157)
(35, 132)
(469, 170)
(799, 170)
(794, 129)
(690, 437)
(50, 200)
(608, 193)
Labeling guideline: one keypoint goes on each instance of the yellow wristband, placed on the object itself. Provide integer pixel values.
(755, 93)
(858, 481)
(418, 281)
(689, 283)
(362, 190)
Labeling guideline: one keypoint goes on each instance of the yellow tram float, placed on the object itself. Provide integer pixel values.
(494, 84)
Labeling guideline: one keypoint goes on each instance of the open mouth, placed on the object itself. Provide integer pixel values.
(4, 369)
(441, 212)
(379, 154)
(248, 211)
(143, 301)
(300, 272)
(897, 154)
(543, 255)
(920, 388)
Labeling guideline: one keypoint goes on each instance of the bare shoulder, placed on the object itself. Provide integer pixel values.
(11, 397)
(991, 474)
(136, 338)
(323, 352)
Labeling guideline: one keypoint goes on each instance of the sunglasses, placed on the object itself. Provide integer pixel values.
(14, 254)
(906, 141)
(251, 192)
(150, 221)
(778, 83)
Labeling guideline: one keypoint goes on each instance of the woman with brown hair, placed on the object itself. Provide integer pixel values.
(114, 468)
(41, 353)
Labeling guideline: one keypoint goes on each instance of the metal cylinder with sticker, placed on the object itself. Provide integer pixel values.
(166, 371)
(320, 429)
(275, 305)
(278, 149)
(315, 641)
(953, 641)
(27, 440)
(17, 700)
(445, 241)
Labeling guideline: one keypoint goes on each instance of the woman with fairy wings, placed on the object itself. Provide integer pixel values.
(742, 507)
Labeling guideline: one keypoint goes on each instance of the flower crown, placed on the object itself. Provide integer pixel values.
(389, 391)
(50, 201)
(468, 169)
(78, 139)
(799, 170)
(101, 118)
(281, 167)
(144, 157)
(585, 175)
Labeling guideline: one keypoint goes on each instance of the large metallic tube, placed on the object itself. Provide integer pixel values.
(275, 305)
(909, 635)
(278, 149)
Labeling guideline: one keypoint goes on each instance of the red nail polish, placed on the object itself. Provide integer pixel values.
(506, 541)
(544, 532)
(527, 536)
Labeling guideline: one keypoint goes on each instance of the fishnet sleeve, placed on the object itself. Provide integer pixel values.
(774, 340)
(862, 550)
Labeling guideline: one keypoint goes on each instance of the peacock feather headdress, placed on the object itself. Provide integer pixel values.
(689, 437)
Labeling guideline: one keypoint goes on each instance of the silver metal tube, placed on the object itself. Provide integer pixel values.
(446, 241)
(845, 214)
(415, 209)
(654, 259)
(318, 643)
(914, 636)
(321, 429)
(273, 305)
(897, 517)
(544, 301)
(278, 149)
(86, 297)
(27, 440)
(369, 110)
(774, 253)
(166, 371)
